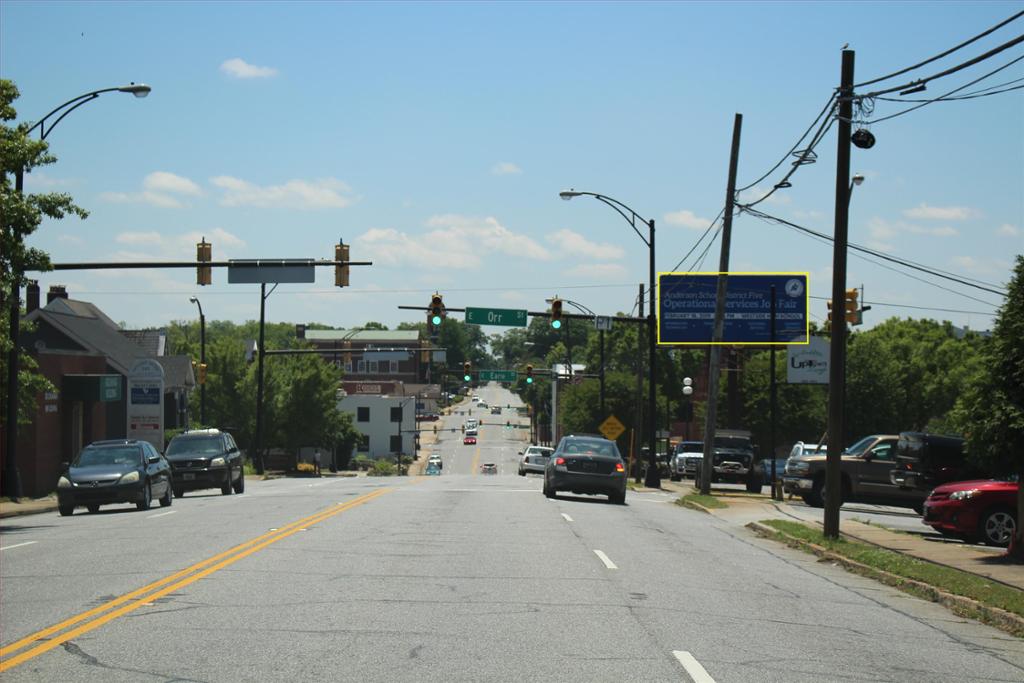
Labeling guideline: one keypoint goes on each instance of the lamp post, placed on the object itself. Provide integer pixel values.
(202, 361)
(13, 359)
(687, 391)
(653, 478)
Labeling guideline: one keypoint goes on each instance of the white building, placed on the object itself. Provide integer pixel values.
(387, 423)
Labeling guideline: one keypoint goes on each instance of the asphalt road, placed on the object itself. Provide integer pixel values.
(462, 577)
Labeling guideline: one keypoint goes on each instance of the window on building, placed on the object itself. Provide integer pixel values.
(371, 367)
(364, 443)
(396, 443)
(363, 414)
(348, 368)
(394, 367)
(361, 368)
(396, 414)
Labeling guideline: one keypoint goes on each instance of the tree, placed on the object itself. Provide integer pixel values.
(20, 215)
(990, 412)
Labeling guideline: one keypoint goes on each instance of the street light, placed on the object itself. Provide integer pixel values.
(13, 358)
(202, 360)
(653, 478)
(856, 180)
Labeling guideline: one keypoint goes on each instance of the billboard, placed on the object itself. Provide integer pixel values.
(686, 308)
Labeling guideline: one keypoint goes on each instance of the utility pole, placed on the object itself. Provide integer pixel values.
(257, 455)
(707, 466)
(639, 383)
(837, 356)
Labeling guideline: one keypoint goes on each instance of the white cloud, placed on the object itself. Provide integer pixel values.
(505, 168)
(982, 266)
(162, 181)
(947, 213)
(571, 243)
(181, 246)
(239, 68)
(808, 215)
(139, 238)
(158, 190)
(687, 219)
(944, 231)
(1007, 230)
(601, 271)
(454, 242)
(881, 229)
(326, 193)
(878, 245)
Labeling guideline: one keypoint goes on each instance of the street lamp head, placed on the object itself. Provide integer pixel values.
(139, 90)
(193, 300)
(569, 194)
(687, 390)
(857, 179)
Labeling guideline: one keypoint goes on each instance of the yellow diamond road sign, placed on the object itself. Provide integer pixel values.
(611, 428)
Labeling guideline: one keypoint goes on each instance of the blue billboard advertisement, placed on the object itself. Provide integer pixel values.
(686, 308)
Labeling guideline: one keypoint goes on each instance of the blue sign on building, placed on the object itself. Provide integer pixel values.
(686, 308)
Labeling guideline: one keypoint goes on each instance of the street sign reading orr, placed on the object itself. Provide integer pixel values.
(507, 317)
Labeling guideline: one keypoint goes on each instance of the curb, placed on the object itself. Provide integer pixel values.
(1005, 621)
(21, 513)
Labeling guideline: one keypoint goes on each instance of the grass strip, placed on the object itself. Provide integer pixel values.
(983, 591)
(707, 502)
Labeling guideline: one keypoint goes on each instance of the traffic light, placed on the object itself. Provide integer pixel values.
(202, 373)
(465, 372)
(341, 251)
(529, 374)
(437, 311)
(828, 303)
(853, 315)
(204, 252)
(556, 313)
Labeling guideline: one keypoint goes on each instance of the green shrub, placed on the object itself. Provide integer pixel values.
(382, 468)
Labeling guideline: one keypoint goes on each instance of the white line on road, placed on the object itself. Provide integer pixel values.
(604, 558)
(18, 545)
(693, 667)
(567, 517)
(162, 514)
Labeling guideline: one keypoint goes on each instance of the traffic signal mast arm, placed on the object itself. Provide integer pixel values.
(543, 314)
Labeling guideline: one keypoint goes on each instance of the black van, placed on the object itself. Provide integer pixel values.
(924, 461)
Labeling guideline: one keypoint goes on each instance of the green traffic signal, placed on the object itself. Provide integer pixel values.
(529, 380)
(436, 319)
(556, 324)
(466, 378)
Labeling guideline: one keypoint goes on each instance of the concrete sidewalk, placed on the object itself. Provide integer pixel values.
(992, 564)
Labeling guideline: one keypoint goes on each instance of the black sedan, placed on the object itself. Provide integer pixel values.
(108, 472)
(586, 464)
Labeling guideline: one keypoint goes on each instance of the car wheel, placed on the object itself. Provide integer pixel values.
(919, 508)
(522, 473)
(240, 484)
(147, 497)
(617, 497)
(225, 488)
(179, 493)
(93, 509)
(673, 477)
(548, 491)
(997, 527)
(816, 498)
(66, 510)
(753, 485)
(166, 499)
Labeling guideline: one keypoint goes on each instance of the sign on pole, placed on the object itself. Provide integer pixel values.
(146, 403)
(507, 317)
(611, 428)
(686, 308)
(497, 375)
(603, 322)
(808, 364)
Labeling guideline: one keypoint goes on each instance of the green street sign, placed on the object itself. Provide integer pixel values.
(497, 375)
(508, 317)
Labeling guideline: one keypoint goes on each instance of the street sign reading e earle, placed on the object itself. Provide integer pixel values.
(686, 308)
(508, 317)
(497, 375)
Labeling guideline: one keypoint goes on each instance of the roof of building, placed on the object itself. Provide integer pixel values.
(153, 342)
(363, 336)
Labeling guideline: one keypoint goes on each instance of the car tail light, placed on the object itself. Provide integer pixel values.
(619, 467)
(559, 461)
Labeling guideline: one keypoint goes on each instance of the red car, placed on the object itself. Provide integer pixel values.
(981, 510)
(469, 440)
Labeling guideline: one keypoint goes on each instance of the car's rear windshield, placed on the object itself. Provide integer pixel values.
(587, 446)
(90, 457)
(539, 450)
(202, 445)
(737, 442)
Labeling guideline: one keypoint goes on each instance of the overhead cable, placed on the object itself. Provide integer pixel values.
(948, 52)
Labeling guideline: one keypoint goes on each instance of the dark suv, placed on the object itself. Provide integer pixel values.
(205, 459)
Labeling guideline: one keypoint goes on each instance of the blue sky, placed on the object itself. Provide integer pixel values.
(435, 137)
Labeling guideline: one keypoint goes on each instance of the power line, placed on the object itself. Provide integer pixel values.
(920, 308)
(886, 257)
(952, 70)
(948, 52)
(981, 92)
(946, 95)
(697, 244)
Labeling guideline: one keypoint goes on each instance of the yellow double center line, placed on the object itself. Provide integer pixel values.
(97, 616)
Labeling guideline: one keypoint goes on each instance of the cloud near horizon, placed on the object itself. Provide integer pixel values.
(941, 213)
(158, 189)
(687, 219)
(571, 243)
(325, 193)
(239, 68)
(506, 168)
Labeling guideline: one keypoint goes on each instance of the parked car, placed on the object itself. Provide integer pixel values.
(206, 459)
(469, 440)
(765, 467)
(435, 461)
(586, 464)
(535, 459)
(495, 410)
(686, 450)
(488, 468)
(924, 461)
(801, 449)
(979, 510)
(864, 469)
(118, 471)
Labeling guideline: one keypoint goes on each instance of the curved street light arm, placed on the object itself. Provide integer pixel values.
(580, 307)
(76, 102)
(621, 208)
